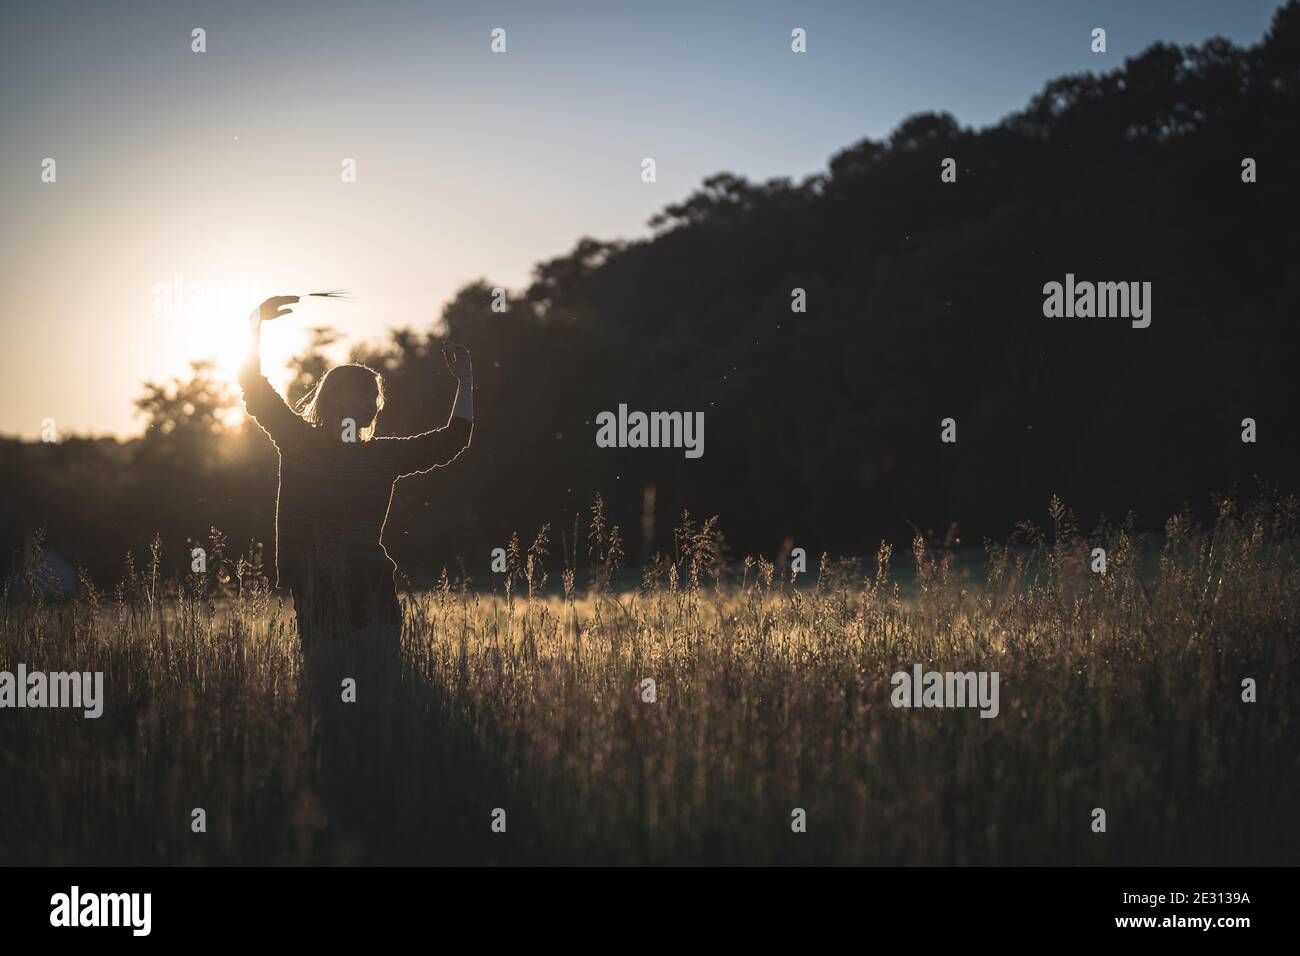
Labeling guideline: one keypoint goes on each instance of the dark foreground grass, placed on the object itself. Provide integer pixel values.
(1115, 692)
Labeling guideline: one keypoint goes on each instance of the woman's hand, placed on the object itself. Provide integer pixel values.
(457, 359)
(273, 308)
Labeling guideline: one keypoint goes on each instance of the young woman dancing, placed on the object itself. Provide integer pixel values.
(336, 481)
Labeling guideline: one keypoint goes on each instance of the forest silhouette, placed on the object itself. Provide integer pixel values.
(924, 301)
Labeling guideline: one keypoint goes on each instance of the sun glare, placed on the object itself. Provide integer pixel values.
(210, 329)
(224, 342)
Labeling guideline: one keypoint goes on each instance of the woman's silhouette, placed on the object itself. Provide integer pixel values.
(336, 481)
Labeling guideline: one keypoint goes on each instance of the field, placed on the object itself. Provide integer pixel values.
(1119, 690)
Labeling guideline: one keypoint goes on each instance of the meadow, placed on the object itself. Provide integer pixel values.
(1120, 690)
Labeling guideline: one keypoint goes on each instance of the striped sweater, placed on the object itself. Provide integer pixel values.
(334, 495)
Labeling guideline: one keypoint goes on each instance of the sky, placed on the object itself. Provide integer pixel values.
(219, 174)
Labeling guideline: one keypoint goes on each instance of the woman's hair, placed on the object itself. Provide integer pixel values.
(339, 377)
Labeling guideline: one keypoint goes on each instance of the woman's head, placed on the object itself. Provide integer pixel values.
(346, 391)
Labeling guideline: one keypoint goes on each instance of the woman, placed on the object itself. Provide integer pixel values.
(336, 481)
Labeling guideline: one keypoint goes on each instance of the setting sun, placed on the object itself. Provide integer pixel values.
(207, 320)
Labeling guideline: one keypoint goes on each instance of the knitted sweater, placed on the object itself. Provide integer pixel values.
(334, 495)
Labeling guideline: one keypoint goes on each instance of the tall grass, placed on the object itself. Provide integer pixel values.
(1118, 690)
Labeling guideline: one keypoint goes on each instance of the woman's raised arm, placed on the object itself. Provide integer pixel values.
(262, 402)
(418, 453)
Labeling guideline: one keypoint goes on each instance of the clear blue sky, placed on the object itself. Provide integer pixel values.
(223, 167)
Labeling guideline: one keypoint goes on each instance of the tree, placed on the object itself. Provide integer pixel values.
(186, 417)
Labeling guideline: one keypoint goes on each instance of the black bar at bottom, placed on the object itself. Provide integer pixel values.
(216, 906)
